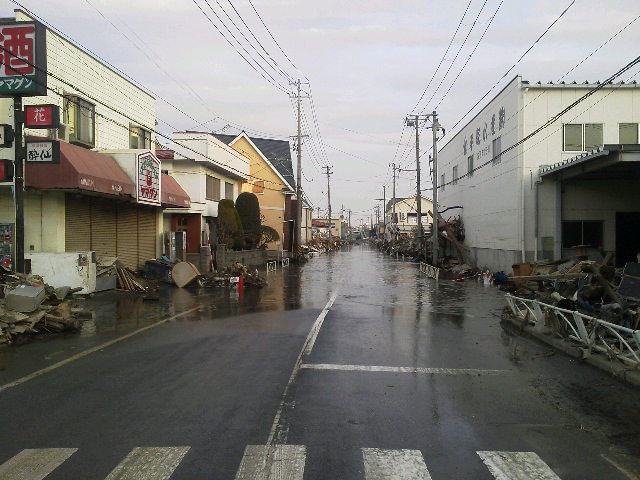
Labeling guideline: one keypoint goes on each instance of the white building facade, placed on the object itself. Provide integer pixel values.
(510, 212)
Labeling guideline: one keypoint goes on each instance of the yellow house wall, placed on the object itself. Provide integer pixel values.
(272, 200)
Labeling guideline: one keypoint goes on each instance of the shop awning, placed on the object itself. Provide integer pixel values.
(173, 194)
(80, 169)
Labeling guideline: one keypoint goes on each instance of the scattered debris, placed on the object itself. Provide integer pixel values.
(31, 307)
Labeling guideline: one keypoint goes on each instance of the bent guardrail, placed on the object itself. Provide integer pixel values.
(589, 332)
(429, 270)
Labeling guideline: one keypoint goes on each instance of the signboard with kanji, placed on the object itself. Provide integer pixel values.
(148, 179)
(23, 58)
(46, 151)
(42, 116)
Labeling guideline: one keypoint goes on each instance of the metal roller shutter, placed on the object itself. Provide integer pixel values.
(77, 224)
(103, 226)
(127, 235)
(147, 231)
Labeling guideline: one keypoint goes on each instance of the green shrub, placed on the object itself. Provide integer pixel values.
(267, 235)
(248, 208)
(231, 232)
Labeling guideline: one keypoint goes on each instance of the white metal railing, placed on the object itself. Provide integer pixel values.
(590, 332)
(272, 266)
(285, 262)
(429, 270)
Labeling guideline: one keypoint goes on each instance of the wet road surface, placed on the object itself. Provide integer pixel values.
(353, 366)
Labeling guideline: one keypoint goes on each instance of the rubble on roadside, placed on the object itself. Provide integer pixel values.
(236, 274)
(29, 306)
(593, 288)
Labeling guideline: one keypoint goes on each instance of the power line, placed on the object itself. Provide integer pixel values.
(602, 45)
(552, 120)
(443, 56)
(96, 56)
(276, 69)
(274, 39)
(290, 79)
(456, 56)
(514, 65)
(269, 78)
(470, 55)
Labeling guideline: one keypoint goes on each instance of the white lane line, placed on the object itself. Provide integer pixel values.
(517, 466)
(93, 350)
(630, 475)
(378, 368)
(317, 325)
(278, 433)
(149, 463)
(397, 464)
(34, 464)
(278, 462)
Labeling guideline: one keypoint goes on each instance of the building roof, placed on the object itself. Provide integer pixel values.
(584, 158)
(397, 200)
(277, 152)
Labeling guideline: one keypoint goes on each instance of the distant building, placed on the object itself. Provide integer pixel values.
(406, 213)
(574, 183)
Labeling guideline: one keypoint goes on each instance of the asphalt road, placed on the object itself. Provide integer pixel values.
(353, 366)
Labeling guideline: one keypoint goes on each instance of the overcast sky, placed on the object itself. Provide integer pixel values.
(368, 62)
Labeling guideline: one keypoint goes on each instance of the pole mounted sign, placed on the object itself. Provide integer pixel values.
(42, 116)
(46, 151)
(23, 58)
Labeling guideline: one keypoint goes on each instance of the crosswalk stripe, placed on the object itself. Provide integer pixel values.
(397, 464)
(517, 466)
(277, 462)
(34, 463)
(149, 463)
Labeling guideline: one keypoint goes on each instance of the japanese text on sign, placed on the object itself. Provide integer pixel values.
(148, 179)
(18, 50)
(40, 151)
(23, 67)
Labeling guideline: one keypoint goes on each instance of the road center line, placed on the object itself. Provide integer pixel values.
(84, 353)
(277, 434)
(317, 325)
(378, 368)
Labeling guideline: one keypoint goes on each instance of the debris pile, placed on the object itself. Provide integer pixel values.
(593, 288)
(29, 307)
(236, 274)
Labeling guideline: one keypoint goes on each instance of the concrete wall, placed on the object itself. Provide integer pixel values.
(491, 197)
(250, 258)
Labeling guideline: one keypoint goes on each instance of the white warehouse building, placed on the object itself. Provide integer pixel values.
(574, 184)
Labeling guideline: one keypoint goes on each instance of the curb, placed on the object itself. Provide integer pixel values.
(616, 369)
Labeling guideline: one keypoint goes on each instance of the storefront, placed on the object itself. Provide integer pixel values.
(103, 206)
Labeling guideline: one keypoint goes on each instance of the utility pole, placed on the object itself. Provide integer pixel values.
(435, 126)
(18, 179)
(328, 173)
(384, 206)
(414, 121)
(349, 235)
(393, 198)
(297, 231)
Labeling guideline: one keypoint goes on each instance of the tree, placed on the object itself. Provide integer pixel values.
(231, 232)
(248, 208)
(268, 235)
